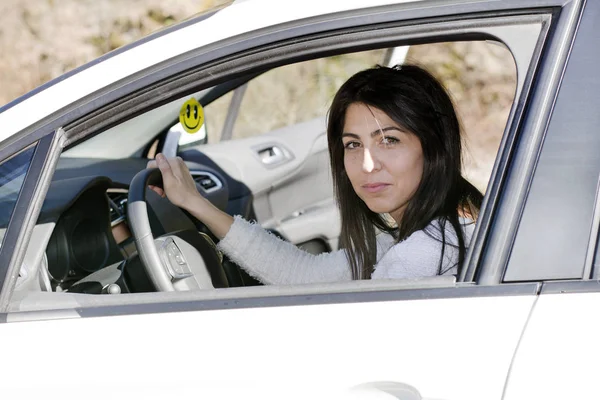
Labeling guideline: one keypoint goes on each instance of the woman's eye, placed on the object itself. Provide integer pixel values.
(351, 145)
(389, 140)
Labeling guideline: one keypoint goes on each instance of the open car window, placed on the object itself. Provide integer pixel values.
(279, 113)
(265, 158)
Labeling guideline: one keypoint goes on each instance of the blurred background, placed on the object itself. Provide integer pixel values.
(42, 39)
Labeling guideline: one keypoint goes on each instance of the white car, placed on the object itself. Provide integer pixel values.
(91, 310)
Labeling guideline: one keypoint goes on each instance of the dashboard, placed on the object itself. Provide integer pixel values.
(87, 202)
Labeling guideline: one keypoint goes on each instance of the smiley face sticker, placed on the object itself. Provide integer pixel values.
(191, 116)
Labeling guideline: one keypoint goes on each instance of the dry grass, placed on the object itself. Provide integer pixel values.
(42, 39)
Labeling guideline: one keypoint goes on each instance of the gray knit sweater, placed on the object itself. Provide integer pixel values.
(274, 261)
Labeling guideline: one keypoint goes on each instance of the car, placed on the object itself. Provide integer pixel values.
(96, 299)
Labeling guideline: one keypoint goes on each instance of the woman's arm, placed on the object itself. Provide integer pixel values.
(263, 255)
(275, 261)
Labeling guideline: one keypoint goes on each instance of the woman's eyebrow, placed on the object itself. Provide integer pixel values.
(387, 128)
(374, 133)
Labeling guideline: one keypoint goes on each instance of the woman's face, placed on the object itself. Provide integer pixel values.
(384, 162)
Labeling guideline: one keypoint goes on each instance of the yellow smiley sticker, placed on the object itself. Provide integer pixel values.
(191, 116)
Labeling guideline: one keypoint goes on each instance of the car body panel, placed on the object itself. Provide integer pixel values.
(307, 350)
(558, 354)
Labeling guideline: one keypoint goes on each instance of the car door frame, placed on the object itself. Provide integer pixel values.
(507, 213)
(501, 209)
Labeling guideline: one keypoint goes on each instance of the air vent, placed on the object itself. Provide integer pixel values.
(208, 181)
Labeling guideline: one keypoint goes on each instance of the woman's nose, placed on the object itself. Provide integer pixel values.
(370, 162)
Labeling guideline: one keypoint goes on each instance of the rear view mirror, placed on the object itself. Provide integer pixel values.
(188, 139)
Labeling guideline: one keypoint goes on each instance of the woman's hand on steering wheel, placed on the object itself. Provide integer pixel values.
(178, 185)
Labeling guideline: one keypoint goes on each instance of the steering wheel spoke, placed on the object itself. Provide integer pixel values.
(184, 263)
(182, 260)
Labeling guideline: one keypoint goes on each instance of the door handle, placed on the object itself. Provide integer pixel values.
(271, 155)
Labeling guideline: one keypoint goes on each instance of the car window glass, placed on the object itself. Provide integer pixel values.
(12, 176)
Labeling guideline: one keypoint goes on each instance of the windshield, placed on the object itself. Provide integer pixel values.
(12, 176)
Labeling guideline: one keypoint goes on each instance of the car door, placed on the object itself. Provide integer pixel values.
(557, 356)
(442, 339)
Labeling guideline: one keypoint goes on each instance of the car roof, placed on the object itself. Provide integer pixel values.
(163, 45)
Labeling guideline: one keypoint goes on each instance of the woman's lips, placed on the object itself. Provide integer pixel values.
(375, 187)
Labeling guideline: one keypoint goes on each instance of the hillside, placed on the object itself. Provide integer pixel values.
(42, 39)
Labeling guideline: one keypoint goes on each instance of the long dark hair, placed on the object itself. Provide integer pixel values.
(415, 100)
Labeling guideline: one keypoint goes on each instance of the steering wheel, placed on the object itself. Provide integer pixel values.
(184, 260)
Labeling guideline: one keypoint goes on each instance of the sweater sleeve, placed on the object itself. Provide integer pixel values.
(275, 261)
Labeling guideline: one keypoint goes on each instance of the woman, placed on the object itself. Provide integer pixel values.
(395, 151)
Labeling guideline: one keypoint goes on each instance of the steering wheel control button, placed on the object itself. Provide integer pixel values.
(174, 260)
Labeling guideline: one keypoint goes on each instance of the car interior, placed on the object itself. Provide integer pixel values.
(261, 154)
